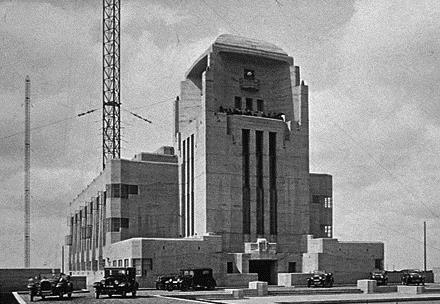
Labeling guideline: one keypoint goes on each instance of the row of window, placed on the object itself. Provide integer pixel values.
(248, 104)
(122, 190)
(328, 231)
(114, 224)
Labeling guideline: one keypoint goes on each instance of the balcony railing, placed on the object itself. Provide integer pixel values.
(249, 84)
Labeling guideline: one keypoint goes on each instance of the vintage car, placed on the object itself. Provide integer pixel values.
(380, 277)
(320, 279)
(199, 278)
(162, 279)
(117, 280)
(413, 276)
(56, 285)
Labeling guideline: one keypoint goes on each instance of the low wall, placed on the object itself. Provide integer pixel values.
(16, 279)
(293, 279)
(237, 279)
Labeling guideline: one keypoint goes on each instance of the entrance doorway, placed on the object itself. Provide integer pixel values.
(265, 269)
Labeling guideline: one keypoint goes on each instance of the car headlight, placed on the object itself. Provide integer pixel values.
(116, 282)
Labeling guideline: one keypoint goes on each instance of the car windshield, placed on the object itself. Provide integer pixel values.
(319, 272)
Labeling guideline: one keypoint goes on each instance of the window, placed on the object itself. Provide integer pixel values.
(249, 74)
(292, 267)
(137, 264)
(327, 202)
(249, 104)
(230, 267)
(328, 231)
(114, 263)
(260, 105)
(119, 263)
(237, 102)
(126, 263)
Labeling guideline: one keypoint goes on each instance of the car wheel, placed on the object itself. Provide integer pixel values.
(42, 297)
(124, 294)
(69, 295)
(32, 297)
(61, 295)
(96, 294)
(169, 287)
(110, 295)
(133, 293)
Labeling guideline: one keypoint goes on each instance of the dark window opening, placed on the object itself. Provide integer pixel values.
(249, 74)
(273, 182)
(259, 188)
(246, 208)
(230, 267)
(378, 264)
(260, 105)
(316, 199)
(292, 267)
(249, 104)
(237, 102)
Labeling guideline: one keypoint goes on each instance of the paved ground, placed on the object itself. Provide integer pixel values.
(160, 297)
(83, 298)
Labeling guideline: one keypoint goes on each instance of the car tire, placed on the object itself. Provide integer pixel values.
(69, 295)
(124, 294)
(42, 297)
(61, 295)
(96, 295)
(133, 293)
(110, 295)
(32, 297)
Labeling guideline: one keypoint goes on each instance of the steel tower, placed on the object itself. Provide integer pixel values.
(111, 112)
(27, 174)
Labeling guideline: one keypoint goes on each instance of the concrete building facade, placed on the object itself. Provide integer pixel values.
(237, 196)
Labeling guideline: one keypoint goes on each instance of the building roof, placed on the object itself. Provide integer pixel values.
(248, 43)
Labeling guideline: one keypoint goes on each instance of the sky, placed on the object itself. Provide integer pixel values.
(372, 68)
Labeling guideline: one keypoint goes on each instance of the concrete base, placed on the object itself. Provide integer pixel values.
(402, 289)
(236, 293)
(260, 286)
(367, 286)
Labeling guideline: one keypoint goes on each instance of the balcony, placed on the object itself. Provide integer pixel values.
(249, 84)
(261, 247)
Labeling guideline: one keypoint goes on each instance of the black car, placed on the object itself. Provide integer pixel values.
(56, 285)
(117, 281)
(161, 280)
(199, 278)
(413, 277)
(380, 277)
(320, 279)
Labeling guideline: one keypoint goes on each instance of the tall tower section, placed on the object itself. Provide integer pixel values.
(243, 142)
(111, 112)
(27, 174)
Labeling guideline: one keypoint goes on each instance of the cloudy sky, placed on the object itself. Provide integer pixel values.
(373, 70)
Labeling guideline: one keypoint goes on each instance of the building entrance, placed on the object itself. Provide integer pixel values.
(266, 270)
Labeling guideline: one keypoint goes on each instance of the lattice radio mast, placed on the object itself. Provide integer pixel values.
(111, 111)
(27, 173)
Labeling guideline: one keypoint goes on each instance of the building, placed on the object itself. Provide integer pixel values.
(238, 196)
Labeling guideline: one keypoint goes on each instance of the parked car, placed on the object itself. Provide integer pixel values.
(320, 279)
(117, 280)
(380, 277)
(56, 285)
(200, 278)
(413, 276)
(161, 280)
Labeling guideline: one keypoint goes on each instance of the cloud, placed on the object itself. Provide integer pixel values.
(381, 116)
